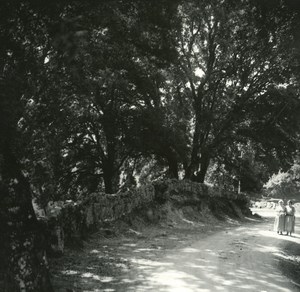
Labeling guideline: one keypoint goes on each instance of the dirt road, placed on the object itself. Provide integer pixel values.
(242, 258)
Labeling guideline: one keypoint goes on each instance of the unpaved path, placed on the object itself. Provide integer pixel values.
(245, 257)
(240, 259)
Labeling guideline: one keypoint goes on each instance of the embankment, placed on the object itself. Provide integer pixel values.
(69, 222)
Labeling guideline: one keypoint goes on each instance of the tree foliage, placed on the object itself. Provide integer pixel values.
(232, 59)
(285, 184)
(186, 83)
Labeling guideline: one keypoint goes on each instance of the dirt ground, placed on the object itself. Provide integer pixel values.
(186, 253)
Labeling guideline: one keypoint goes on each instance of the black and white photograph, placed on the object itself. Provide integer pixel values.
(150, 146)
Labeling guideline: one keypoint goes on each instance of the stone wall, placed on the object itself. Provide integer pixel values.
(70, 221)
(217, 201)
(188, 191)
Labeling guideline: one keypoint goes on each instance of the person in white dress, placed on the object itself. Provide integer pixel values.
(290, 218)
(279, 224)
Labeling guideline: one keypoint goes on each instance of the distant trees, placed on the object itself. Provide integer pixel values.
(280, 185)
(285, 184)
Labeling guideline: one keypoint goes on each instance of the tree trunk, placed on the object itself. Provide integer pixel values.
(204, 164)
(110, 184)
(25, 262)
(194, 163)
(173, 166)
(110, 171)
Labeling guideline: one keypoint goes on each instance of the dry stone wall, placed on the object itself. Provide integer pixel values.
(70, 221)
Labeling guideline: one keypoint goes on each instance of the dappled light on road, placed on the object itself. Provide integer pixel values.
(237, 258)
(242, 260)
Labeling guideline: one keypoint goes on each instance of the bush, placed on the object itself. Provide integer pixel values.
(281, 185)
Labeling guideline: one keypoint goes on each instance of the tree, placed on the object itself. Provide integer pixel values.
(25, 261)
(96, 80)
(232, 55)
(280, 185)
(126, 53)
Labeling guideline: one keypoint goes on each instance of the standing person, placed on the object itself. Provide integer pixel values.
(279, 224)
(290, 218)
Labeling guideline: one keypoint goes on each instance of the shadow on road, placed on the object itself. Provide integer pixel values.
(250, 257)
(241, 264)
